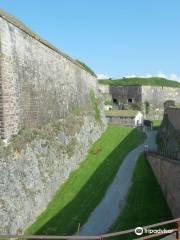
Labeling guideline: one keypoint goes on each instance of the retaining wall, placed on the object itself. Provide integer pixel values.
(52, 106)
(38, 83)
(167, 173)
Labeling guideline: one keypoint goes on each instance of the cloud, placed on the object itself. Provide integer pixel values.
(102, 76)
(131, 76)
(162, 75)
(172, 76)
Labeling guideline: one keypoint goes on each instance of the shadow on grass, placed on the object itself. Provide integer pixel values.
(145, 203)
(77, 211)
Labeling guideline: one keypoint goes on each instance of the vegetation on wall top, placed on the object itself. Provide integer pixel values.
(153, 81)
(88, 69)
(13, 20)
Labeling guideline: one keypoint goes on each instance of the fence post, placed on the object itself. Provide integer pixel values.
(178, 230)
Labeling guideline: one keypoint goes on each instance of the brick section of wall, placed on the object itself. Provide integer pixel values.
(167, 173)
(39, 84)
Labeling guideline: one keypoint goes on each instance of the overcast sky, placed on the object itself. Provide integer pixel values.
(114, 37)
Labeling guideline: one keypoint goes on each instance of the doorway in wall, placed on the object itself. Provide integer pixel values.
(130, 100)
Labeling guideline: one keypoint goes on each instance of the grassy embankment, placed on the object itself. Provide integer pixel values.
(157, 123)
(154, 81)
(86, 186)
(145, 201)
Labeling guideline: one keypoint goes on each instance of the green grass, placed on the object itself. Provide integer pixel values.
(85, 188)
(145, 201)
(154, 81)
(121, 113)
(156, 124)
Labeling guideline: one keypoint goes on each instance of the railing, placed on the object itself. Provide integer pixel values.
(168, 154)
(175, 222)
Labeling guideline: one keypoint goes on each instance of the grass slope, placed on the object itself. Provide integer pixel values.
(145, 202)
(154, 81)
(86, 186)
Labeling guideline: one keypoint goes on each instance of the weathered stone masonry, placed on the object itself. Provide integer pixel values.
(156, 96)
(167, 173)
(39, 84)
(1, 106)
(46, 95)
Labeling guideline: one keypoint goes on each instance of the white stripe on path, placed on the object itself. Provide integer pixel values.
(105, 214)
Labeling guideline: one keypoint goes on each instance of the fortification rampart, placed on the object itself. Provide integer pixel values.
(52, 106)
(173, 115)
(138, 95)
(39, 84)
(158, 95)
(167, 173)
(169, 132)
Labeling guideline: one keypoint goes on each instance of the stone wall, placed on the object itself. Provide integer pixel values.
(167, 173)
(156, 96)
(50, 112)
(169, 133)
(38, 83)
(105, 93)
(173, 115)
(36, 163)
(124, 121)
(123, 93)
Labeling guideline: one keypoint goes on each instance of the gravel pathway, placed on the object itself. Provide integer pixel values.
(105, 214)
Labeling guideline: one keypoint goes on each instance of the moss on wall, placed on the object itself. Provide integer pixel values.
(95, 105)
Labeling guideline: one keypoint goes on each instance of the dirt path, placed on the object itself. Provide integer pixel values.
(105, 214)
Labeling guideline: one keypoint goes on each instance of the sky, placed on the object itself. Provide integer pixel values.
(116, 38)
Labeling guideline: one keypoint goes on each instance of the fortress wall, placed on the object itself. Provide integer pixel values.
(167, 173)
(41, 87)
(156, 96)
(123, 93)
(104, 91)
(174, 117)
(169, 133)
(36, 163)
(1, 106)
(39, 84)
